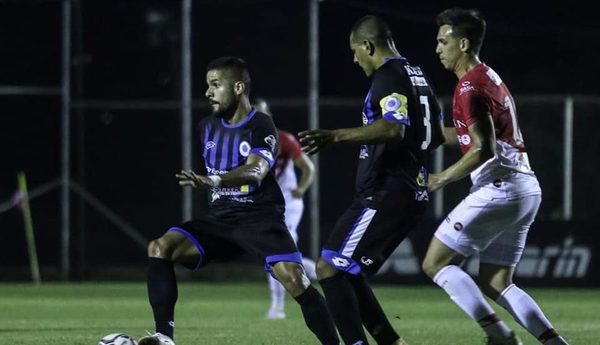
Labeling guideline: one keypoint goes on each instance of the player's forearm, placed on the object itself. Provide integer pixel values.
(243, 175)
(306, 179)
(475, 157)
(377, 132)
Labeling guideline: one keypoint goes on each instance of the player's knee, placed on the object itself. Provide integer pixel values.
(294, 280)
(430, 267)
(159, 248)
(324, 269)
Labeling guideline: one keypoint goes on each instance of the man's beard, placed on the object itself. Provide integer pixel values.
(224, 113)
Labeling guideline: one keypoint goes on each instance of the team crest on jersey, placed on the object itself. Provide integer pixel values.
(271, 141)
(394, 104)
(244, 148)
(464, 139)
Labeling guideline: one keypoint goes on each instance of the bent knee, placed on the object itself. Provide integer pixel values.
(430, 267)
(324, 269)
(159, 248)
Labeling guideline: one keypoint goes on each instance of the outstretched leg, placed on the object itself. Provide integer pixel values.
(440, 264)
(496, 283)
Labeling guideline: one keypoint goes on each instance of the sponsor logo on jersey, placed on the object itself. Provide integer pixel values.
(464, 139)
(213, 171)
(396, 105)
(271, 141)
(244, 148)
(466, 87)
(340, 262)
(209, 145)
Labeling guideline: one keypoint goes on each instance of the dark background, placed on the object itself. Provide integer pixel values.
(128, 50)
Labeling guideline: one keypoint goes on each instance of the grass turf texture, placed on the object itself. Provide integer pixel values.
(233, 313)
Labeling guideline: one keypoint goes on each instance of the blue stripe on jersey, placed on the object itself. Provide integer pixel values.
(212, 162)
(368, 108)
(225, 152)
(205, 137)
(235, 151)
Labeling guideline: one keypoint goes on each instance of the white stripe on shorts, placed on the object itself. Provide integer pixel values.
(358, 232)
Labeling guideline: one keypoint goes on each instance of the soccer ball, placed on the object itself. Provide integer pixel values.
(117, 339)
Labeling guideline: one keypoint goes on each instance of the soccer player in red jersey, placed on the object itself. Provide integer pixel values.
(495, 217)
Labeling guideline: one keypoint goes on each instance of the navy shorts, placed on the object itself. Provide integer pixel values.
(367, 233)
(217, 240)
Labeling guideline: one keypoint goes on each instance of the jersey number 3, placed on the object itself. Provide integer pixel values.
(424, 100)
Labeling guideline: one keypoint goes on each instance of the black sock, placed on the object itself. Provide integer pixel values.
(344, 307)
(162, 293)
(317, 316)
(371, 312)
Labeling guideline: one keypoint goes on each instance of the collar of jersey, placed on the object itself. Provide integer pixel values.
(241, 123)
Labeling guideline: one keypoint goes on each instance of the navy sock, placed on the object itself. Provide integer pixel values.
(162, 293)
(371, 312)
(344, 307)
(317, 316)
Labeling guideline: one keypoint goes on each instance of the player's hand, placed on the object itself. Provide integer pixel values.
(314, 140)
(191, 179)
(435, 182)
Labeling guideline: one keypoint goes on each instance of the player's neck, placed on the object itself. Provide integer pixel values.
(466, 64)
(240, 113)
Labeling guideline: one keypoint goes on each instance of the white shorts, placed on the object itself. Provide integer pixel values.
(495, 227)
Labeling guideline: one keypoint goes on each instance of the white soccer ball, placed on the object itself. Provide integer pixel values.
(117, 339)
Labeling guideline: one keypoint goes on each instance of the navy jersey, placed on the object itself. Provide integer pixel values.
(226, 147)
(399, 92)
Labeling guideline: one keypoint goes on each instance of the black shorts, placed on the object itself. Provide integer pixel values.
(217, 240)
(367, 233)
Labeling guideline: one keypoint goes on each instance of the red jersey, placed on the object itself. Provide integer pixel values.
(289, 150)
(481, 87)
(481, 91)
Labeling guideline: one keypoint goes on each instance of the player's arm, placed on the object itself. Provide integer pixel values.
(450, 138)
(307, 174)
(483, 148)
(379, 131)
(253, 172)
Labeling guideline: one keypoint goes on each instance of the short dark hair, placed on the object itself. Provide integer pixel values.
(235, 66)
(468, 23)
(372, 28)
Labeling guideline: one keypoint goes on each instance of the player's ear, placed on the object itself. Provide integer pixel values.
(239, 87)
(464, 44)
(369, 47)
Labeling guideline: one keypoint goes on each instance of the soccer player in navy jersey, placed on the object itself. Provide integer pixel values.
(495, 217)
(239, 147)
(401, 124)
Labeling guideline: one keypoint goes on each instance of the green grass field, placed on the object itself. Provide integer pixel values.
(233, 313)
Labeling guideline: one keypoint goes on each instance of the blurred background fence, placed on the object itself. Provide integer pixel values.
(100, 101)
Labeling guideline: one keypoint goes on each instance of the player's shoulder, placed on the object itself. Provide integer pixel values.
(262, 119)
